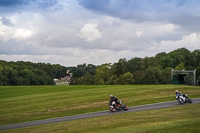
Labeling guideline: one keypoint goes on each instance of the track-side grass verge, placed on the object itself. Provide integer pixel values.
(178, 119)
(28, 103)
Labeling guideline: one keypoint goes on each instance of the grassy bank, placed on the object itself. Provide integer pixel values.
(28, 103)
(179, 119)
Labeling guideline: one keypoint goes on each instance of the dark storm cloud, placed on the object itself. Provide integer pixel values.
(6, 21)
(12, 5)
(6, 3)
(45, 3)
(142, 9)
(181, 12)
(95, 5)
(126, 9)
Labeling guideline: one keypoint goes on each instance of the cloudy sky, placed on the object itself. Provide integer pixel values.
(72, 32)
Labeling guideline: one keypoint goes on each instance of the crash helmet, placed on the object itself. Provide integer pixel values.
(176, 91)
(111, 96)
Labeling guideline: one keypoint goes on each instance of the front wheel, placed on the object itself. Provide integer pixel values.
(180, 100)
(125, 107)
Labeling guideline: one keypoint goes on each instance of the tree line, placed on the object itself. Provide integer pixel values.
(28, 73)
(148, 70)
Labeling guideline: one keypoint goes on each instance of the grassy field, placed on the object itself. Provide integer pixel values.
(181, 119)
(28, 103)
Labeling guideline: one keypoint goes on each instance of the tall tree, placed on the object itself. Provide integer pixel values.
(87, 79)
(120, 67)
(10, 76)
(134, 64)
(103, 74)
(153, 75)
(126, 79)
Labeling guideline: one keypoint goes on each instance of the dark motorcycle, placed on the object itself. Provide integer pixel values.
(117, 106)
(183, 98)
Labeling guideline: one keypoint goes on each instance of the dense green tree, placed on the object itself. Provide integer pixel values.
(198, 73)
(180, 67)
(28, 77)
(91, 69)
(153, 75)
(120, 67)
(87, 79)
(126, 79)
(1, 76)
(113, 80)
(25, 73)
(10, 76)
(134, 64)
(103, 74)
(139, 77)
(81, 70)
(166, 76)
(179, 56)
(57, 71)
(148, 62)
(196, 57)
(164, 60)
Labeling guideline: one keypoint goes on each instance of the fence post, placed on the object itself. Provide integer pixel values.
(194, 77)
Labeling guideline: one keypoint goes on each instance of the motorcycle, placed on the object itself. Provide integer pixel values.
(183, 98)
(117, 106)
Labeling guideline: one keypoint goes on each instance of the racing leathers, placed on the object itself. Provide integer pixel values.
(114, 99)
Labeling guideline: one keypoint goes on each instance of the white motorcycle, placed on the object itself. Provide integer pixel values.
(183, 98)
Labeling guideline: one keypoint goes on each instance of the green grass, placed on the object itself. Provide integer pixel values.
(178, 119)
(28, 103)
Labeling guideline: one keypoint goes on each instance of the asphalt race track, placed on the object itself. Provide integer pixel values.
(96, 114)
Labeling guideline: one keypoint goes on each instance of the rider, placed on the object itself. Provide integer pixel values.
(113, 98)
(177, 93)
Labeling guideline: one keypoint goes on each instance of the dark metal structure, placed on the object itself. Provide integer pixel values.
(183, 77)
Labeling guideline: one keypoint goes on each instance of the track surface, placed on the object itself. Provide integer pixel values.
(95, 114)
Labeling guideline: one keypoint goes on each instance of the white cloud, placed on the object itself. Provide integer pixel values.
(190, 42)
(89, 32)
(69, 34)
(168, 27)
(138, 34)
(111, 20)
(22, 34)
(8, 33)
(5, 32)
